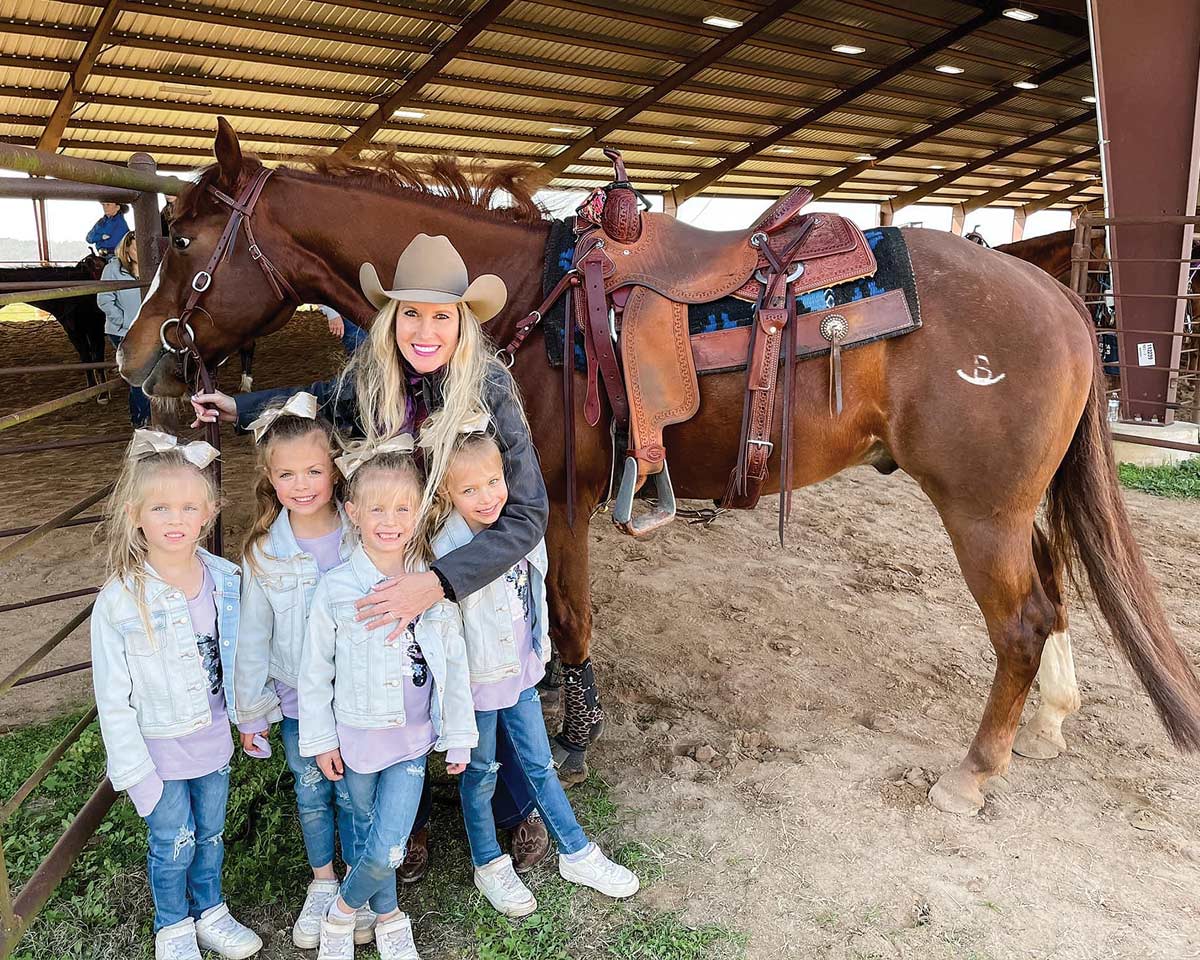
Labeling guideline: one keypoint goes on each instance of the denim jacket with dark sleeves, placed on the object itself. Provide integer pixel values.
(352, 675)
(277, 592)
(151, 684)
(523, 520)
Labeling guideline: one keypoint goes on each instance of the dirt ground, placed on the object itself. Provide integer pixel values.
(822, 685)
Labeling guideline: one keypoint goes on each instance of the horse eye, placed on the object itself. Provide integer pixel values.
(181, 243)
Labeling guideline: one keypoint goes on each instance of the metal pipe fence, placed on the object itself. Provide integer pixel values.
(100, 181)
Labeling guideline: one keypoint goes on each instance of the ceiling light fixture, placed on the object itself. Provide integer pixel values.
(948, 68)
(409, 114)
(936, 166)
(784, 150)
(1088, 99)
(725, 23)
(1021, 14)
(1025, 85)
(562, 129)
(848, 48)
(865, 156)
(684, 140)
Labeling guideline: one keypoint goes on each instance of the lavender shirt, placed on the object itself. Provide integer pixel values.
(208, 749)
(369, 751)
(326, 550)
(504, 693)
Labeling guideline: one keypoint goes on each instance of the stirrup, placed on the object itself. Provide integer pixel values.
(661, 515)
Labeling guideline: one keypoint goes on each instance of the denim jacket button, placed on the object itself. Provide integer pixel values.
(224, 643)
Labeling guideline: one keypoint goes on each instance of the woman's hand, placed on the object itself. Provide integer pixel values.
(454, 769)
(330, 763)
(214, 406)
(399, 601)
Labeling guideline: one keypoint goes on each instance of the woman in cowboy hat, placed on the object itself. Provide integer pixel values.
(426, 351)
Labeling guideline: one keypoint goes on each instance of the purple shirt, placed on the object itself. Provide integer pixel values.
(504, 693)
(369, 751)
(210, 748)
(327, 551)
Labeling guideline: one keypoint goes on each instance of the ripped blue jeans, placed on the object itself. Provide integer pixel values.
(531, 749)
(187, 847)
(319, 802)
(385, 805)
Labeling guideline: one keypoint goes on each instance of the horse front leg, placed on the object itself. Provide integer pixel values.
(569, 597)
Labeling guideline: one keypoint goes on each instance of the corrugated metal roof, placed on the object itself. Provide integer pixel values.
(298, 76)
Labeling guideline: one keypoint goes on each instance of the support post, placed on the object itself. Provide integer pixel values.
(886, 213)
(147, 221)
(43, 235)
(1146, 56)
(1018, 229)
(958, 219)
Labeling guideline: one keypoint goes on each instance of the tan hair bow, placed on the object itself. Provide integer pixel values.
(302, 404)
(147, 443)
(358, 454)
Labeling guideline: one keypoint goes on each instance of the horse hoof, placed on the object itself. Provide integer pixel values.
(956, 792)
(1039, 743)
(571, 765)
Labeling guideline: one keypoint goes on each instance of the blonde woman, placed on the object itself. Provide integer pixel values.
(426, 352)
(120, 309)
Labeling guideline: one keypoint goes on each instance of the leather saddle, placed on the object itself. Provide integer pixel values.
(639, 271)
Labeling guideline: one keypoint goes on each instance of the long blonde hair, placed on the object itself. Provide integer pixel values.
(369, 478)
(377, 370)
(123, 253)
(126, 550)
(442, 503)
(266, 504)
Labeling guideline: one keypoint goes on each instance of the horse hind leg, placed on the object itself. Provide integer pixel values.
(1042, 738)
(996, 558)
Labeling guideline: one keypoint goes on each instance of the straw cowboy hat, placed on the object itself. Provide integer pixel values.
(430, 270)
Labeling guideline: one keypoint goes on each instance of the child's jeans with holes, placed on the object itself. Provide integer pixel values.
(187, 847)
(385, 805)
(531, 747)
(322, 804)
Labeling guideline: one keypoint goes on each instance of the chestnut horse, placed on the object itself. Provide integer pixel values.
(987, 451)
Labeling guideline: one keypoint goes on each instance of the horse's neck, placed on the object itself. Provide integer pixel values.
(340, 226)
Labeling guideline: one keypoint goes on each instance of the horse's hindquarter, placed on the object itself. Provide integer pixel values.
(991, 385)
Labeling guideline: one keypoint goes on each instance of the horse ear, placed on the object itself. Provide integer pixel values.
(228, 152)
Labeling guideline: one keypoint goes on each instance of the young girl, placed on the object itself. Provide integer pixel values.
(505, 629)
(299, 533)
(164, 638)
(371, 706)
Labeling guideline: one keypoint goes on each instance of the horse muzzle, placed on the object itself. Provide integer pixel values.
(164, 378)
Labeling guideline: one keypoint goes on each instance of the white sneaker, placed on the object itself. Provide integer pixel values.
(498, 881)
(364, 925)
(177, 942)
(337, 939)
(394, 939)
(218, 931)
(595, 870)
(306, 931)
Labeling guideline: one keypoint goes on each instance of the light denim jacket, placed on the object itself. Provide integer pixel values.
(119, 306)
(487, 614)
(275, 602)
(152, 685)
(352, 675)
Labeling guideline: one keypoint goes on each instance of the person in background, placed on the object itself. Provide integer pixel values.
(120, 308)
(349, 333)
(110, 229)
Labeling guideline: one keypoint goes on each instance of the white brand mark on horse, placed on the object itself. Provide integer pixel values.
(982, 375)
(149, 291)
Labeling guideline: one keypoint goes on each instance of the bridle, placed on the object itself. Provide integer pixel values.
(241, 210)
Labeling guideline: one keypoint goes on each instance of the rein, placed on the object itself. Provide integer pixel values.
(241, 210)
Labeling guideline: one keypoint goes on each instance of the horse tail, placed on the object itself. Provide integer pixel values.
(1088, 519)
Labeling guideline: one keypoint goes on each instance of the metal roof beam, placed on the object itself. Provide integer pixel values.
(691, 187)
(705, 59)
(919, 192)
(470, 28)
(985, 198)
(66, 102)
(1059, 196)
(968, 113)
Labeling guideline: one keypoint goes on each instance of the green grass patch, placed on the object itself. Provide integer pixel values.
(102, 910)
(1179, 480)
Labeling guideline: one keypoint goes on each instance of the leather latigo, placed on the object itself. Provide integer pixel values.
(870, 319)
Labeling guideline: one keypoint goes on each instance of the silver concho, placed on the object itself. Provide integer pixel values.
(835, 328)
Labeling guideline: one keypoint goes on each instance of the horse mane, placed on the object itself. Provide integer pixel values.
(498, 193)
